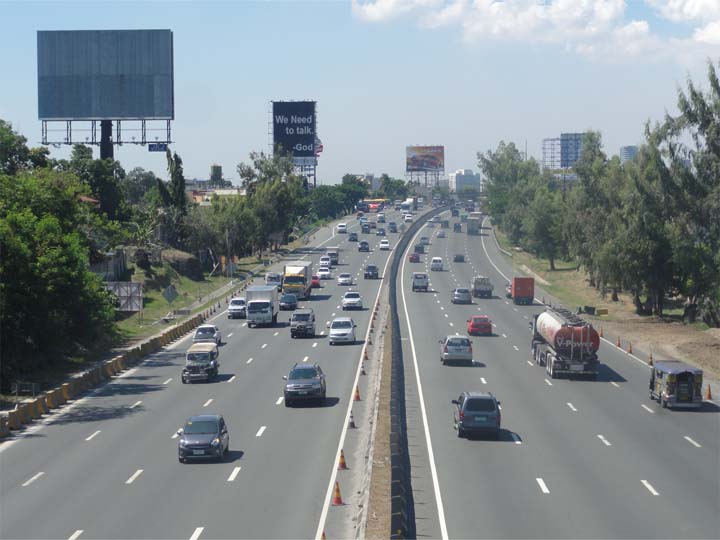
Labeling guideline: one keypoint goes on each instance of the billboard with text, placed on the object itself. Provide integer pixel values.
(424, 158)
(294, 129)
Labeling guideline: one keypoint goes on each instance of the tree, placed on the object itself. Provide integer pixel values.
(14, 153)
(137, 184)
(541, 225)
(104, 178)
(393, 188)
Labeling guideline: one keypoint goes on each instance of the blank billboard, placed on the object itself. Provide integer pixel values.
(105, 75)
(424, 158)
(294, 129)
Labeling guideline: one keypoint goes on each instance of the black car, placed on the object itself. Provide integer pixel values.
(419, 248)
(457, 227)
(365, 228)
(381, 231)
(203, 437)
(288, 302)
(459, 257)
(352, 237)
(455, 212)
(305, 381)
(372, 272)
(392, 227)
(363, 246)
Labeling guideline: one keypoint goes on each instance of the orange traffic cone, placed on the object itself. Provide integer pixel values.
(337, 498)
(650, 360)
(323, 536)
(342, 465)
(365, 356)
(601, 331)
(630, 347)
(356, 397)
(351, 422)
(362, 369)
(617, 342)
(708, 392)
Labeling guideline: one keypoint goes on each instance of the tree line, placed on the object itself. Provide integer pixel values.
(58, 216)
(649, 227)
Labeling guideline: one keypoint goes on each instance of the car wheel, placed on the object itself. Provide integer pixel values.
(183, 380)
(181, 460)
(460, 432)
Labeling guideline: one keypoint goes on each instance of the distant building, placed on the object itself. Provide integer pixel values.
(216, 176)
(551, 153)
(628, 153)
(462, 178)
(570, 149)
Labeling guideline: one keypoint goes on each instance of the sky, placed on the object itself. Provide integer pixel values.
(389, 73)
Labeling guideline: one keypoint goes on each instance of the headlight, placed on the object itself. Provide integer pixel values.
(215, 441)
(183, 442)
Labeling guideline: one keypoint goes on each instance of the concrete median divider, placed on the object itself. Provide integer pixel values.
(67, 391)
(4, 429)
(109, 368)
(13, 420)
(25, 412)
(42, 405)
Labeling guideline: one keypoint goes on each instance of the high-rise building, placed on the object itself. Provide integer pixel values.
(462, 178)
(570, 149)
(628, 153)
(551, 153)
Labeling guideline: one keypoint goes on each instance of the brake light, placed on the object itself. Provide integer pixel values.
(461, 415)
(445, 349)
(471, 348)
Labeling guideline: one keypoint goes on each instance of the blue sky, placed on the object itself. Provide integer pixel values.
(390, 73)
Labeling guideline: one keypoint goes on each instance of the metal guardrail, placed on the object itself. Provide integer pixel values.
(402, 506)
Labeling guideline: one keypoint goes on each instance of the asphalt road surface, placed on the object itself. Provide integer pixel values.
(575, 459)
(107, 466)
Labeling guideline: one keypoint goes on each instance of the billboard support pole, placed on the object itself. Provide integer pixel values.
(106, 145)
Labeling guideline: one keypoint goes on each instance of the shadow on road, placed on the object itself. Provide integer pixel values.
(314, 403)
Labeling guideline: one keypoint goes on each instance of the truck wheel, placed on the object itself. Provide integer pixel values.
(551, 365)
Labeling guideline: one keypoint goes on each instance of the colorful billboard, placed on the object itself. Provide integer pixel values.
(424, 158)
(294, 130)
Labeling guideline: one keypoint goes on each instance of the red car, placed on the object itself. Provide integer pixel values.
(315, 282)
(479, 324)
(415, 257)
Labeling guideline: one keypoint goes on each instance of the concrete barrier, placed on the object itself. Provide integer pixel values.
(67, 391)
(34, 408)
(13, 420)
(59, 397)
(42, 405)
(109, 368)
(4, 429)
(51, 400)
(25, 412)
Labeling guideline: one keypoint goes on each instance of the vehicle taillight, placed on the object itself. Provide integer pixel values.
(461, 415)
(445, 349)
(471, 347)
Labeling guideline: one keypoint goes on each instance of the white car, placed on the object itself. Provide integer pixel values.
(342, 330)
(436, 264)
(342, 228)
(407, 218)
(385, 244)
(237, 308)
(207, 333)
(352, 300)
(324, 272)
(325, 261)
(344, 279)
(441, 234)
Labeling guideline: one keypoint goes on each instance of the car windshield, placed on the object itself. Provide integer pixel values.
(344, 276)
(288, 298)
(205, 331)
(302, 373)
(341, 324)
(289, 280)
(274, 278)
(458, 342)
(462, 291)
(352, 295)
(480, 405)
(371, 268)
(301, 317)
(198, 358)
(201, 427)
(256, 307)
(479, 320)
(237, 302)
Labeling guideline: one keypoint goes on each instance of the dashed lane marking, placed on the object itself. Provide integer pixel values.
(649, 487)
(260, 431)
(263, 345)
(279, 400)
(134, 476)
(76, 535)
(91, 437)
(249, 361)
(306, 359)
(616, 385)
(233, 474)
(604, 440)
(548, 382)
(482, 380)
(231, 334)
(516, 347)
(529, 362)
(135, 404)
(572, 407)
(542, 485)
(504, 335)
(197, 533)
(208, 402)
(648, 409)
(276, 333)
(168, 381)
(31, 480)
(315, 344)
(231, 379)
(695, 444)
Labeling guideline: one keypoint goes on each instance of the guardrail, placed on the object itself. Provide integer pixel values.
(402, 519)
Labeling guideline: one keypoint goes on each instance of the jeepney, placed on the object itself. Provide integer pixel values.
(201, 363)
(676, 384)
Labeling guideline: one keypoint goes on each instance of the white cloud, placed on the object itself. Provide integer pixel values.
(687, 10)
(595, 28)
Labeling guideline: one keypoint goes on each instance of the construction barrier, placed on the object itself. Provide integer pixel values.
(25, 412)
(13, 420)
(4, 429)
(66, 391)
(41, 405)
(50, 400)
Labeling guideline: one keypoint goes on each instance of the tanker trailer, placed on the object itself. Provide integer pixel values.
(565, 343)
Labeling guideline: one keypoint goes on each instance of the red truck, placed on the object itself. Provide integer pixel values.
(522, 290)
(564, 343)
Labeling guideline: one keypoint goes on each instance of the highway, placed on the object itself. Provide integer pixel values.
(575, 459)
(107, 466)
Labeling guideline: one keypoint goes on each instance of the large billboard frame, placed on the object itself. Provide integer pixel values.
(287, 117)
(420, 159)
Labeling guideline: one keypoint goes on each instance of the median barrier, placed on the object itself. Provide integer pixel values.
(59, 397)
(13, 420)
(66, 391)
(108, 368)
(4, 429)
(35, 409)
(42, 405)
(51, 399)
(25, 412)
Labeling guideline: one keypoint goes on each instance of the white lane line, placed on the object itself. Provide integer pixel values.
(548, 382)
(504, 335)
(244, 324)
(688, 439)
(76, 535)
(279, 400)
(174, 435)
(438, 301)
(249, 361)
(529, 362)
(208, 402)
(516, 347)
(337, 307)
(572, 407)
(231, 334)
(135, 404)
(233, 474)
(306, 359)
(649, 487)
(260, 431)
(315, 344)
(604, 440)
(446, 315)
(31, 480)
(451, 324)
(332, 315)
(443, 309)
(168, 381)
(515, 308)
(526, 316)
(91, 437)
(482, 380)
(263, 345)
(616, 385)
(197, 533)
(276, 333)
(516, 438)
(231, 379)
(542, 485)
(134, 476)
(648, 409)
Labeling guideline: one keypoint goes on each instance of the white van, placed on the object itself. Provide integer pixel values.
(420, 281)
(341, 228)
(436, 264)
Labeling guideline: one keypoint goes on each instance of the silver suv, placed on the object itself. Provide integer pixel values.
(342, 330)
(476, 412)
(461, 295)
(305, 381)
(456, 349)
(302, 323)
